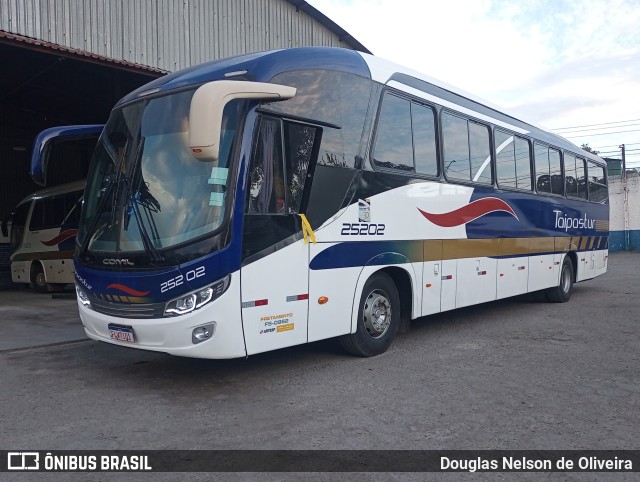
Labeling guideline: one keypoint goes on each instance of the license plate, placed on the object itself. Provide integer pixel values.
(121, 333)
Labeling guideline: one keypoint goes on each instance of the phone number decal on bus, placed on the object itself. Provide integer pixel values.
(362, 229)
(178, 280)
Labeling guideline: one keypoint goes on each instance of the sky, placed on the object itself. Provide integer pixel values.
(559, 64)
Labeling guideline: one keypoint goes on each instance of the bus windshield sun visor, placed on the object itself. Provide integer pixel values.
(207, 106)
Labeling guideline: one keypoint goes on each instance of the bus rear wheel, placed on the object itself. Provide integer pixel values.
(38, 280)
(562, 292)
(378, 318)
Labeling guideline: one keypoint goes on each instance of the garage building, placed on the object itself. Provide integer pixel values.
(69, 61)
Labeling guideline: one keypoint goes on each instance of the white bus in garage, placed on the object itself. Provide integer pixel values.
(43, 236)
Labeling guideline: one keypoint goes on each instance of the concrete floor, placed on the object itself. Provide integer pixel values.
(513, 374)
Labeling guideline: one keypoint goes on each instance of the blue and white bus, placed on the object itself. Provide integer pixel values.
(284, 197)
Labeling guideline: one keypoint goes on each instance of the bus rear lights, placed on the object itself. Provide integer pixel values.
(322, 300)
(202, 333)
(196, 299)
(83, 297)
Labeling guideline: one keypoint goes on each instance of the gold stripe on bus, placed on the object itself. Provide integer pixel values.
(469, 248)
(562, 243)
(513, 246)
(575, 241)
(436, 250)
(44, 255)
(583, 242)
(542, 245)
(432, 250)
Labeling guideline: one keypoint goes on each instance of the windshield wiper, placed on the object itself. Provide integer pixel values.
(146, 240)
(96, 217)
(132, 200)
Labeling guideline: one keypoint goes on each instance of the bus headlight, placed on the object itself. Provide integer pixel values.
(83, 297)
(196, 299)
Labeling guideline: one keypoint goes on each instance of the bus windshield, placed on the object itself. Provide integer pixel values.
(145, 191)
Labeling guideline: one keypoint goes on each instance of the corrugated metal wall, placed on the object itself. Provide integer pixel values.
(166, 34)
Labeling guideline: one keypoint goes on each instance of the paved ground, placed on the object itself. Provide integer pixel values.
(514, 374)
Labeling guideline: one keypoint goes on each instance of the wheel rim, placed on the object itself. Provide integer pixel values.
(40, 281)
(376, 313)
(566, 279)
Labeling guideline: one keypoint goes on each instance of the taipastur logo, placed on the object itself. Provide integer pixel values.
(565, 222)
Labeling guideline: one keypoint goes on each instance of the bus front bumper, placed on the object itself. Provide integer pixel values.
(175, 335)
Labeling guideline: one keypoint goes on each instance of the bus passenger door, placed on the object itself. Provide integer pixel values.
(275, 268)
(275, 299)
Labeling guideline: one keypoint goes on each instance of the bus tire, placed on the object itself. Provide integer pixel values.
(378, 318)
(38, 280)
(562, 292)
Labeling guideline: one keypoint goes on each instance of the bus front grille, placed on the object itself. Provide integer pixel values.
(128, 310)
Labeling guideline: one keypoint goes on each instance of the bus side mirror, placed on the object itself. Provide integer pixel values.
(207, 106)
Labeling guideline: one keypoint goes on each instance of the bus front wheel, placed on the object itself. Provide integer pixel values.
(37, 278)
(562, 292)
(378, 318)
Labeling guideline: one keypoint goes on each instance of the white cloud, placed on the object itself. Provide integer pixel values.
(556, 62)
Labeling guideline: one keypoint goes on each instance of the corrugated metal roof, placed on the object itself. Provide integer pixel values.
(168, 35)
(343, 35)
(66, 51)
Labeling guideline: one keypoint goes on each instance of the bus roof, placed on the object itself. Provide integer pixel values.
(263, 66)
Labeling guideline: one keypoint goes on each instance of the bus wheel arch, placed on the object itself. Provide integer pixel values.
(402, 280)
(562, 292)
(384, 305)
(37, 277)
(574, 259)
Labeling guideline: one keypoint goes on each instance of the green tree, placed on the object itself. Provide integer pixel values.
(589, 149)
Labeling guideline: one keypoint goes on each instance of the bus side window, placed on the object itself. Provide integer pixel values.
(424, 139)
(581, 178)
(299, 142)
(505, 159)
(394, 146)
(548, 170)
(555, 171)
(513, 161)
(571, 184)
(278, 179)
(523, 163)
(266, 181)
(597, 184)
(543, 180)
(467, 155)
(37, 216)
(456, 147)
